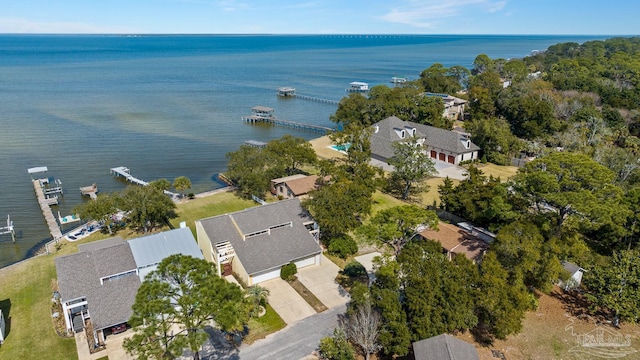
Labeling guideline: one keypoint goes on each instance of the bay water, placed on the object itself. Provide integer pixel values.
(171, 105)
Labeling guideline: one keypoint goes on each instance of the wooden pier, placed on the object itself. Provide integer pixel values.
(125, 172)
(47, 196)
(45, 203)
(90, 191)
(291, 92)
(265, 115)
(256, 144)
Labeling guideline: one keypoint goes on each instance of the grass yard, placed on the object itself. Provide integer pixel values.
(264, 325)
(428, 197)
(504, 172)
(218, 204)
(25, 300)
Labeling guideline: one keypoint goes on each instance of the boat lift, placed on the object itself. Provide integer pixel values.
(8, 229)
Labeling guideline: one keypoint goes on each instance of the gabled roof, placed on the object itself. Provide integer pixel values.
(571, 267)
(303, 185)
(456, 240)
(444, 347)
(148, 251)
(110, 301)
(389, 128)
(288, 178)
(271, 249)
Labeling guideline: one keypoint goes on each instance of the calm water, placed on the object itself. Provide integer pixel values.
(167, 106)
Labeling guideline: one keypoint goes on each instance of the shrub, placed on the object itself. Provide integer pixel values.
(354, 269)
(191, 196)
(336, 347)
(288, 271)
(343, 246)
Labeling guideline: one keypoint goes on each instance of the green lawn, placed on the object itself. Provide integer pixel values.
(264, 325)
(218, 204)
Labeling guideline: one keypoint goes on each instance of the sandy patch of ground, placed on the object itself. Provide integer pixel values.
(554, 330)
(321, 147)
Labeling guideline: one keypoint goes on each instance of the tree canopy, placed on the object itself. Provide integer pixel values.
(176, 302)
(411, 166)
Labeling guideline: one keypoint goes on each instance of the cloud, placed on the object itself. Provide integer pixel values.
(24, 26)
(428, 13)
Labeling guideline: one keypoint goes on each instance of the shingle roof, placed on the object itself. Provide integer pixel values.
(444, 347)
(269, 250)
(456, 240)
(79, 276)
(435, 137)
(102, 244)
(303, 185)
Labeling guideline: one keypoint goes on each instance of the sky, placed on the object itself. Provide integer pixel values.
(561, 17)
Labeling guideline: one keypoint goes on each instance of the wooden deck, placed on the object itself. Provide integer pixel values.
(45, 204)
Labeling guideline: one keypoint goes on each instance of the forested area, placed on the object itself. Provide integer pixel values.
(572, 114)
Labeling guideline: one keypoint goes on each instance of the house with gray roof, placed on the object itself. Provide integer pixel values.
(440, 144)
(444, 347)
(99, 283)
(258, 241)
(575, 276)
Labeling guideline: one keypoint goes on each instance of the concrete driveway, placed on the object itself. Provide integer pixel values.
(286, 301)
(367, 261)
(321, 281)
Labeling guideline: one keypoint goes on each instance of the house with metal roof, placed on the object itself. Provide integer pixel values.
(440, 144)
(255, 243)
(99, 283)
(575, 276)
(444, 347)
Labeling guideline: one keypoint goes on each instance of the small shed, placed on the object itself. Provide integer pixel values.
(575, 276)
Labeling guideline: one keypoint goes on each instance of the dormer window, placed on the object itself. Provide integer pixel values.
(376, 128)
(411, 131)
(400, 132)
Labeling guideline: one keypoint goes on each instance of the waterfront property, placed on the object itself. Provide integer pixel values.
(439, 144)
(293, 186)
(99, 283)
(255, 243)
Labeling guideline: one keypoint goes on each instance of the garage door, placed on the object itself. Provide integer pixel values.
(434, 154)
(266, 276)
(451, 159)
(306, 262)
(442, 157)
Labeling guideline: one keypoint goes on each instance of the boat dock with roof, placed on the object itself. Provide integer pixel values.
(291, 92)
(90, 191)
(265, 115)
(47, 194)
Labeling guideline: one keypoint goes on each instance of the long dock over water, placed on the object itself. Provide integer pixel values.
(291, 92)
(265, 115)
(125, 172)
(45, 205)
(47, 197)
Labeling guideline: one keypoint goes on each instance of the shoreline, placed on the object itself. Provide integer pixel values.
(41, 248)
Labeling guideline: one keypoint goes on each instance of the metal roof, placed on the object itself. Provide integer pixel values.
(38, 169)
(149, 251)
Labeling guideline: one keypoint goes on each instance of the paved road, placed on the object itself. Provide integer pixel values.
(295, 341)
